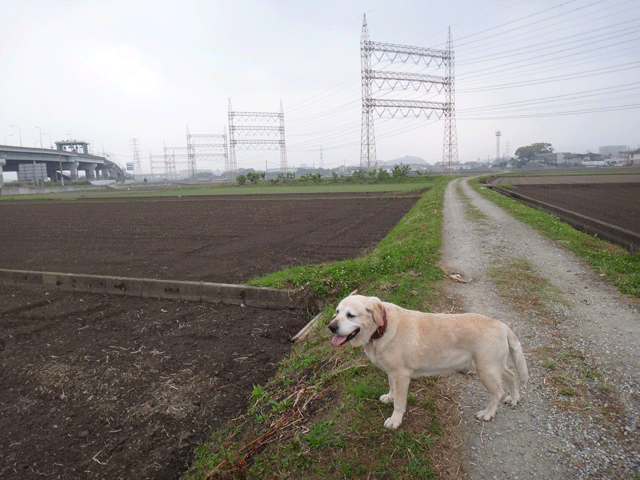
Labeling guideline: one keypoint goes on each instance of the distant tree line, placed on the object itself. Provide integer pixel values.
(398, 174)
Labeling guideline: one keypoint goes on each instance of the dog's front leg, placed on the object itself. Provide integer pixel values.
(400, 387)
(388, 397)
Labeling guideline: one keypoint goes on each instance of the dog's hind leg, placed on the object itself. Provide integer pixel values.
(511, 381)
(491, 379)
(400, 386)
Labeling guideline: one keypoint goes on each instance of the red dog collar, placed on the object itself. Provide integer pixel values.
(383, 328)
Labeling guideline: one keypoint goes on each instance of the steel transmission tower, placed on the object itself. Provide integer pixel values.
(135, 148)
(156, 162)
(191, 157)
(174, 156)
(368, 140)
(450, 150)
(206, 146)
(272, 125)
(166, 164)
(395, 80)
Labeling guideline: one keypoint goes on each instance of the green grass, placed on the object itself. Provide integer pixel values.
(320, 415)
(471, 212)
(409, 184)
(615, 263)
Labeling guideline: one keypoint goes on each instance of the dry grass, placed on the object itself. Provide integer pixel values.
(524, 287)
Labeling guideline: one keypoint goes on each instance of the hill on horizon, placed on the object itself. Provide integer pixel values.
(406, 160)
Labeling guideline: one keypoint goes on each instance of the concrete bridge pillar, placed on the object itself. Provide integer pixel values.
(52, 171)
(3, 162)
(73, 167)
(90, 171)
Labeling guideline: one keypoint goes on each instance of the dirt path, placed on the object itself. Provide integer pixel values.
(579, 417)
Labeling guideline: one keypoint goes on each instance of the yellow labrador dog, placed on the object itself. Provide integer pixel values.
(405, 343)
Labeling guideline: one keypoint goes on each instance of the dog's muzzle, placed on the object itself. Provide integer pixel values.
(341, 339)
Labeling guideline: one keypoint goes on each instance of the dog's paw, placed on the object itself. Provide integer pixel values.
(510, 401)
(484, 415)
(392, 423)
(386, 398)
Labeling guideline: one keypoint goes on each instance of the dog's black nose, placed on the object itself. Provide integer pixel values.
(333, 327)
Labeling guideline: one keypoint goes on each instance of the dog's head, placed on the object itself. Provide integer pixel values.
(357, 319)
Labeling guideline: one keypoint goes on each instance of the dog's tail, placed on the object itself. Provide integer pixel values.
(515, 351)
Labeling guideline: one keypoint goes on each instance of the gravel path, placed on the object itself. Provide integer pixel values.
(590, 341)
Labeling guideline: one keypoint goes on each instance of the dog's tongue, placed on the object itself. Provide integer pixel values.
(338, 340)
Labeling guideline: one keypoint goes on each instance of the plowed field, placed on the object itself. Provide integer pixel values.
(97, 386)
(617, 204)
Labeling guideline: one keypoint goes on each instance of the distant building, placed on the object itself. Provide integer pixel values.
(553, 158)
(590, 159)
(613, 150)
(472, 166)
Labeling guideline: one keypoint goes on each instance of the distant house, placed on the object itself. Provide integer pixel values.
(635, 158)
(552, 158)
(535, 165)
(586, 159)
(471, 166)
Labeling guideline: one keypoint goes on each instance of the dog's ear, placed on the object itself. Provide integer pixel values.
(377, 311)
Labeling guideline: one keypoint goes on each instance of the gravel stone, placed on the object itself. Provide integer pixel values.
(540, 438)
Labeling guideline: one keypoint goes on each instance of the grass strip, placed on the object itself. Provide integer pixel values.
(320, 417)
(347, 186)
(524, 287)
(614, 262)
(472, 213)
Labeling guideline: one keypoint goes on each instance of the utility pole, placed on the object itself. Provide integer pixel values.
(498, 133)
(19, 133)
(40, 130)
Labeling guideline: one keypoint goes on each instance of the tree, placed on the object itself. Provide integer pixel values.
(383, 175)
(255, 177)
(529, 152)
(400, 172)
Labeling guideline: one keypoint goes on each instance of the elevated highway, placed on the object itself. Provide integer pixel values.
(69, 156)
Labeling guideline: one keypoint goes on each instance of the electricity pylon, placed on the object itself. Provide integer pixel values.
(395, 80)
(262, 125)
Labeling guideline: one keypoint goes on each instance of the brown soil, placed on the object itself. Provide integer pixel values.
(617, 204)
(97, 386)
(215, 239)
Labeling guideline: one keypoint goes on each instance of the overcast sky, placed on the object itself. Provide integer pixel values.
(564, 72)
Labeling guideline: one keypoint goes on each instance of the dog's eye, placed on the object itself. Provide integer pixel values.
(350, 315)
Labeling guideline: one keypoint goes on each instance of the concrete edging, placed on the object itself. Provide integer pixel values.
(245, 295)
